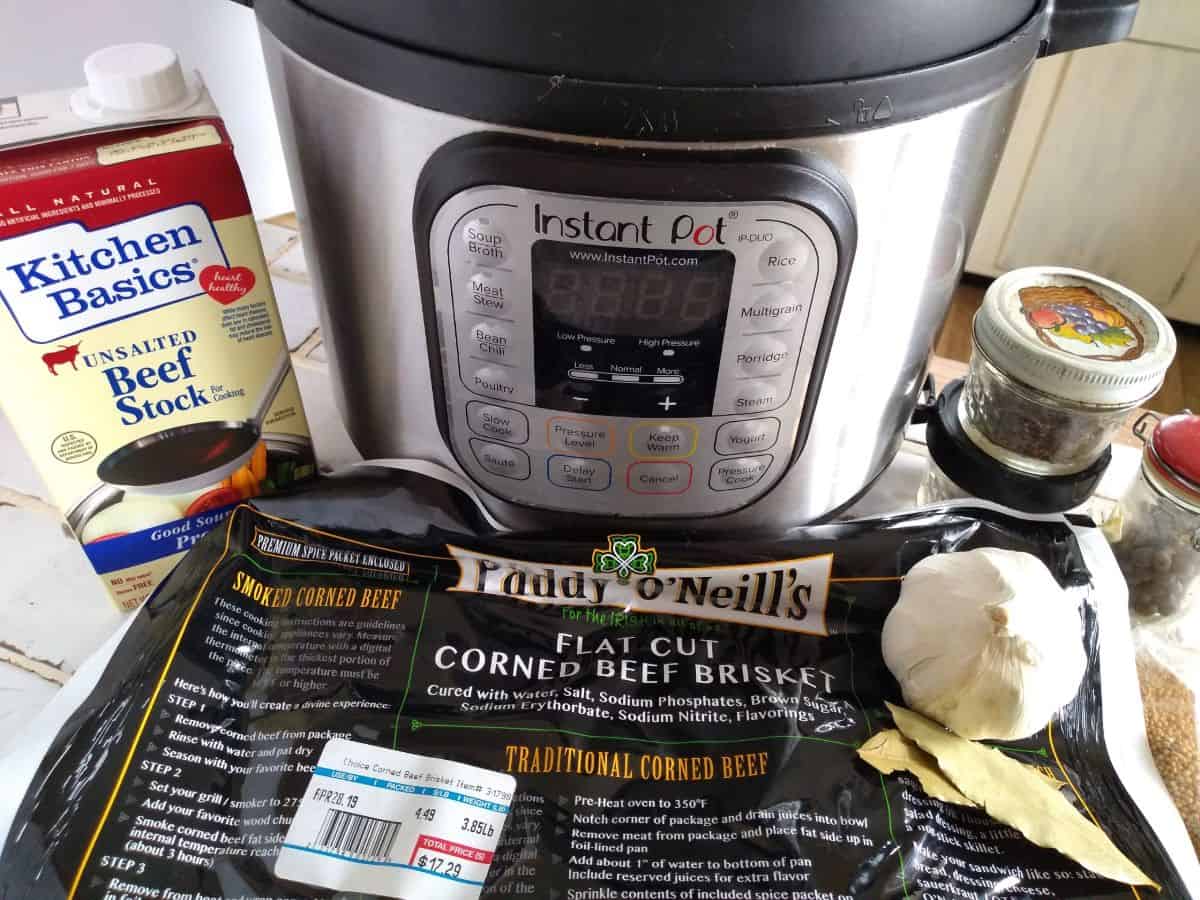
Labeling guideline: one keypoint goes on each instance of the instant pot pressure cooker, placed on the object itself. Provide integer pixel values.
(647, 258)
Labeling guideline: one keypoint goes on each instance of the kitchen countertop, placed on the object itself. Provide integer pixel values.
(50, 583)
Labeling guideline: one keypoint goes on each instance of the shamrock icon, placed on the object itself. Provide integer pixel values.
(624, 557)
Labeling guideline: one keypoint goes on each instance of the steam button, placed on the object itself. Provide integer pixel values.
(486, 244)
(507, 462)
(758, 396)
(785, 260)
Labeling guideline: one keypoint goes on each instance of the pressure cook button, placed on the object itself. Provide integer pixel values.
(492, 381)
(764, 356)
(489, 340)
(579, 474)
(663, 440)
(750, 436)
(486, 244)
(507, 462)
(738, 474)
(489, 293)
(659, 477)
(756, 396)
(785, 260)
(579, 435)
(497, 423)
(773, 309)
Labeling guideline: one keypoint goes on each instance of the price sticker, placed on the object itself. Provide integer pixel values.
(396, 824)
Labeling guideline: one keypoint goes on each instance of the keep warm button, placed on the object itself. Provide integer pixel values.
(659, 477)
(736, 474)
(663, 440)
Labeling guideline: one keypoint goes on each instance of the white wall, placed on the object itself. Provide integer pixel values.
(43, 44)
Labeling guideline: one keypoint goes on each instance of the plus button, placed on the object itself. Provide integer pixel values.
(666, 403)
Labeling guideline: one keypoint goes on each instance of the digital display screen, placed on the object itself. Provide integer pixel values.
(630, 292)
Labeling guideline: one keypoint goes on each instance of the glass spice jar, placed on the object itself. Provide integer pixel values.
(1159, 544)
(1059, 359)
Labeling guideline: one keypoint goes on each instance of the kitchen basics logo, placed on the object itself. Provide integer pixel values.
(66, 279)
(684, 231)
(787, 594)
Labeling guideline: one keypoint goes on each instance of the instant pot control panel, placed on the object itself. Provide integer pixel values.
(630, 355)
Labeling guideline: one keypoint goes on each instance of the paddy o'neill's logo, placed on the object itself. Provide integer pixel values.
(624, 558)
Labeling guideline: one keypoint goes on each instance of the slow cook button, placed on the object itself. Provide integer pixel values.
(579, 435)
(489, 340)
(756, 396)
(785, 260)
(736, 474)
(489, 293)
(497, 423)
(772, 310)
(579, 474)
(659, 477)
(486, 244)
(663, 440)
(507, 462)
(750, 436)
(764, 356)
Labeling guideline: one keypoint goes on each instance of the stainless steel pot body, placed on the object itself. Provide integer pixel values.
(919, 188)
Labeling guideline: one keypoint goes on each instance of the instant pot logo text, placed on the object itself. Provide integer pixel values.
(787, 594)
(684, 231)
(66, 279)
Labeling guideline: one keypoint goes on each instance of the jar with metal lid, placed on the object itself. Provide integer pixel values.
(1059, 359)
(1159, 521)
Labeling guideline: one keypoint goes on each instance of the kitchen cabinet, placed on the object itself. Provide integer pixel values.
(1102, 169)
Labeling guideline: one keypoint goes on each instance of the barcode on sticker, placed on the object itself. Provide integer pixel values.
(396, 824)
(359, 836)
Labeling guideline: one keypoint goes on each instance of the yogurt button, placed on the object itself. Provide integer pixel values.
(486, 244)
(497, 422)
(489, 293)
(764, 356)
(507, 462)
(751, 436)
(737, 474)
(785, 260)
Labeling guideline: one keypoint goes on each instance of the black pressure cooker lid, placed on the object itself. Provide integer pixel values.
(698, 69)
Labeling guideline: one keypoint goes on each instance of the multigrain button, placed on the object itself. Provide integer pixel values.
(737, 474)
(486, 244)
(489, 293)
(587, 436)
(663, 440)
(764, 356)
(785, 260)
(756, 396)
(488, 339)
(507, 462)
(492, 381)
(659, 477)
(772, 310)
(579, 474)
(497, 423)
(750, 436)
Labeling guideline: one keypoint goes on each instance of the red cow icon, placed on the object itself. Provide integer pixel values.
(67, 354)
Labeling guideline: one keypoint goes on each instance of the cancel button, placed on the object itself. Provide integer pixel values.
(736, 474)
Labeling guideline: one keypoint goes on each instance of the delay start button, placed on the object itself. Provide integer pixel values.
(486, 244)
(663, 440)
(659, 477)
(738, 474)
(578, 473)
(507, 462)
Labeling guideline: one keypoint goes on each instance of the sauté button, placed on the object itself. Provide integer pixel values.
(497, 423)
(578, 473)
(486, 244)
(493, 381)
(507, 462)
(489, 293)
(659, 477)
(578, 435)
(785, 259)
(487, 339)
(755, 396)
(663, 440)
(764, 356)
(737, 474)
(773, 309)
(750, 436)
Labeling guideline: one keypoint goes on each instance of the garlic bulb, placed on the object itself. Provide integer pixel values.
(985, 642)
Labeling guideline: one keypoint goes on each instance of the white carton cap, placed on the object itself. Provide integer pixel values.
(131, 80)
(1075, 336)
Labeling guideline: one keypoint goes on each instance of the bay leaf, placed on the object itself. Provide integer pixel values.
(890, 751)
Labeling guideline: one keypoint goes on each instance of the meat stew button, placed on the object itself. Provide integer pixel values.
(507, 462)
(748, 436)
(659, 477)
(497, 422)
(488, 292)
(579, 473)
(740, 473)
